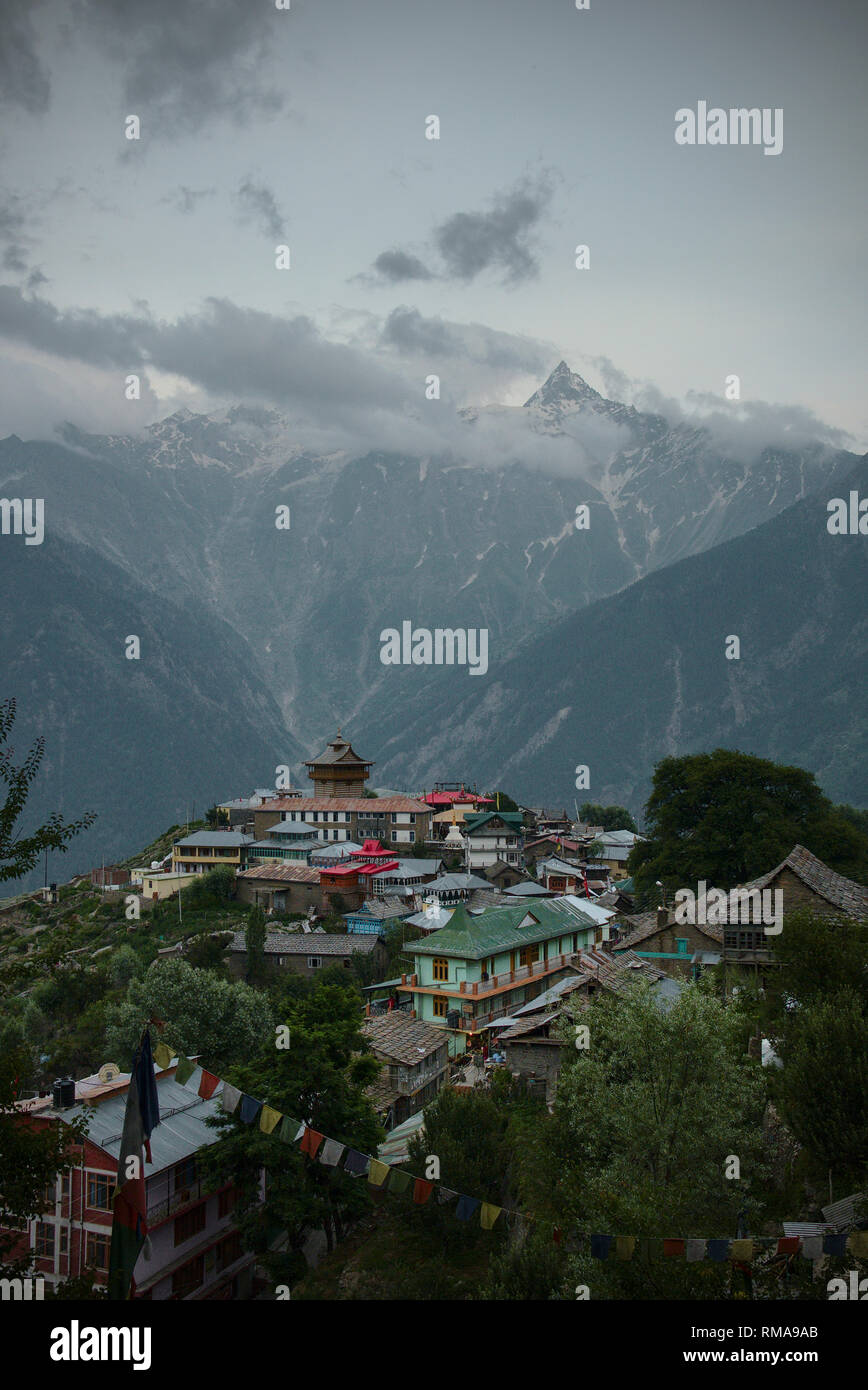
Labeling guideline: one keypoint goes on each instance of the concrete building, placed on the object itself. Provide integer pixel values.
(195, 1251)
(210, 849)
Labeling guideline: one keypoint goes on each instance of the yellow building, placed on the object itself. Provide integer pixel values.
(210, 849)
(158, 885)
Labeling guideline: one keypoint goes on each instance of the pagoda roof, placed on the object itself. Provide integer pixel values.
(339, 751)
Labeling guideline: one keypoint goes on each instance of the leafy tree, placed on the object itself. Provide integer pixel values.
(216, 816)
(532, 1268)
(208, 890)
(817, 957)
(124, 965)
(206, 950)
(320, 1078)
(19, 853)
(255, 934)
(31, 1155)
(727, 817)
(645, 1121)
(216, 1019)
(503, 802)
(609, 817)
(822, 1087)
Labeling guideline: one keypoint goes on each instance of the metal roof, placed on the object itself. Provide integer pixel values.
(499, 929)
(314, 943)
(182, 1128)
(233, 838)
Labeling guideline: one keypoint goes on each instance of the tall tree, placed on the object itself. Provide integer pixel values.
(727, 817)
(255, 934)
(320, 1078)
(20, 852)
(647, 1121)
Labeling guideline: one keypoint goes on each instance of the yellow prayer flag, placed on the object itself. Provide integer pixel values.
(741, 1250)
(489, 1215)
(624, 1247)
(269, 1119)
(857, 1244)
(162, 1055)
(378, 1172)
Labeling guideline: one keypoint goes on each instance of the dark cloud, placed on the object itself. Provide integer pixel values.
(256, 203)
(471, 242)
(185, 200)
(23, 80)
(15, 242)
(183, 63)
(396, 266)
(226, 349)
(409, 331)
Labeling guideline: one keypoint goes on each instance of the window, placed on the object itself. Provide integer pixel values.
(185, 1280)
(64, 1240)
(100, 1190)
(441, 968)
(185, 1173)
(45, 1239)
(314, 962)
(228, 1251)
(190, 1224)
(681, 943)
(528, 955)
(96, 1250)
(440, 1007)
(226, 1201)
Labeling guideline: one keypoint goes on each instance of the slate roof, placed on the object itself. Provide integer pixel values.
(339, 751)
(407, 1040)
(528, 890)
(474, 938)
(280, 872)
(233, 839)
(641, 925)
(841, 892)
(513, 820)
(453, 883)
(283, 943)
(380, 908)
(349, 803)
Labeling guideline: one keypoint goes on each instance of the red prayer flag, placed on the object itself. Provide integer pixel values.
(311, 1141)
(422, 1190)
(788, 1245)
(208, 1085)
(673, 1247)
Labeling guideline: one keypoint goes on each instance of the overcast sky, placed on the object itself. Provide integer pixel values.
(408, 255)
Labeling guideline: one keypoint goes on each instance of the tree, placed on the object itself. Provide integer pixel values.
(255, 934)
(31, 1156)
(320, 1078)
(727, 817)
(609, 817)
(822, 1087)
(647, 1119)
(213, 1018)
(213, 889)
(206, 950)
(19, 853)
(216, 816)
(124, 965)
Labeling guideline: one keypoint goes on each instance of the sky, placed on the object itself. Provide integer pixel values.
(306, 127)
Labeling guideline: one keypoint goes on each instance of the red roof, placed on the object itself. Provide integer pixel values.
(447, 798)
(369, 869)
(340, 870)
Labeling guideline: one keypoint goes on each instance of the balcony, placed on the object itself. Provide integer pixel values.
(479, 989)
(169, 1206)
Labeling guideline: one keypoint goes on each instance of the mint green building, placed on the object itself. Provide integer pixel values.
(476, 969)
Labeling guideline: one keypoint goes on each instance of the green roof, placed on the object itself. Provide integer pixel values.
(498, 929)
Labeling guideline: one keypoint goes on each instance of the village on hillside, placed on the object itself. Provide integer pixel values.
(481, 939)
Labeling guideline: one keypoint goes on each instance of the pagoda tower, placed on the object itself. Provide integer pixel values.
(339, 771)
